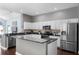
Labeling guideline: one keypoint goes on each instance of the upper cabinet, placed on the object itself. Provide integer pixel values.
(55, 24)
(27, 25)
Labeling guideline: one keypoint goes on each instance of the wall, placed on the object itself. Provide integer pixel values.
(15, 17)
(3, 18)
(3, 23)
(4, 14)
(20, 19)
(12, 17)
(62, 14)
(27, 18)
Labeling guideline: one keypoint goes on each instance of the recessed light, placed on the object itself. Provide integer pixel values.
(55, 8)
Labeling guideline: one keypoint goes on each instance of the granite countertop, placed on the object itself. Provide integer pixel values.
(36, 40)
(24, 33)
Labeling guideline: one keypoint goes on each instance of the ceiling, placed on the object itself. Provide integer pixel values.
(34, 9)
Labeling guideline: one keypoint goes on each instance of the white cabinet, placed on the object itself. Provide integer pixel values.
(55, 24)
(27, 25)
(31, 36)
(58, 40)
(36, 25)
(52, 48)
(52, 25)
(63, 37)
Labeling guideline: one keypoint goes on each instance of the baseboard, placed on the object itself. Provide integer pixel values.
(18, 53)
(3, 48)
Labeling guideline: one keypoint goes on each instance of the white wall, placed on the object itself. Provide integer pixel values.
(15, 17)
(61, 14)
(10, 17)
(4, 14)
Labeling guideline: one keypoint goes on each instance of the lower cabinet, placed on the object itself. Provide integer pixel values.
(63, 44)
(11, 42)
(58, 40)
(52, 48)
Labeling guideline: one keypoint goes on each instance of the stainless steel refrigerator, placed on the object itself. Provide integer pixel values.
(72, 37)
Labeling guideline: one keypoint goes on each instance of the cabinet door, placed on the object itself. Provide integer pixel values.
(10, 42)
(63, 44)
(58, 40)
(52, 48)
(14, 41)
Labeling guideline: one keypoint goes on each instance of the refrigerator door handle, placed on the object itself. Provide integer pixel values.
(69, 43)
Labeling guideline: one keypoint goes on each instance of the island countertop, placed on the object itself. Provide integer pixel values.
(36, 40)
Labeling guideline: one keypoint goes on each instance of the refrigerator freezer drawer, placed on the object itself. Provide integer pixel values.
(70, 47)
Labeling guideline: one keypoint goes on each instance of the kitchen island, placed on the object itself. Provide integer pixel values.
(34, 45)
